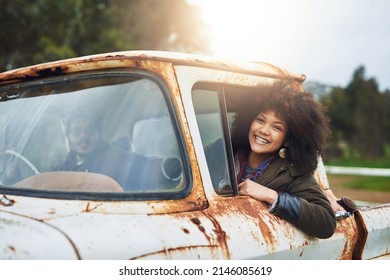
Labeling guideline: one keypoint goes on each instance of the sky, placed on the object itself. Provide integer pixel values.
(327, 40)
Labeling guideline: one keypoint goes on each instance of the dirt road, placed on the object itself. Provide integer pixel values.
(361, 195)
(336, 183)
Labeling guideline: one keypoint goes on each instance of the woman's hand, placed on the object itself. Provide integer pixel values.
(257, 191)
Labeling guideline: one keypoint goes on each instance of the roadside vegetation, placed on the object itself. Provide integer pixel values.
(360, 124)
(369, 183)
(360, 162)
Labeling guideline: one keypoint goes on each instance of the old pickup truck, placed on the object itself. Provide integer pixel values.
(159, 110)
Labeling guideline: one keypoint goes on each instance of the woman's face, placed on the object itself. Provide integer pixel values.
(267, 134)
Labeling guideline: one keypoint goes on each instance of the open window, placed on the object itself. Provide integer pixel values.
(215, 108)
(214, 127)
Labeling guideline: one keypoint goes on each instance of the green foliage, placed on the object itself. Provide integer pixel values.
(350, 162)
(37, 31)
(359, 119)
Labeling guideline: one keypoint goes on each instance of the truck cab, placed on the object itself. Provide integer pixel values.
(152, 193)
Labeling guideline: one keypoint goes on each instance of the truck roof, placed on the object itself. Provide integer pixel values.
(118, 60)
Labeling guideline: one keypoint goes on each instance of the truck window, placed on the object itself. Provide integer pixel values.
(212, 122)
(99, 135)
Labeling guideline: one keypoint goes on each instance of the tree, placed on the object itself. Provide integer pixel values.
(368, 115)
(359, 115)
(43, 30)
(386, 104)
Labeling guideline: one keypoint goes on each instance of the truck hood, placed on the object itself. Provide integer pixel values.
(26, 238)
(107, 236)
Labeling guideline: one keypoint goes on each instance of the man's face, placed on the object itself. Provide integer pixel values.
(83, 135)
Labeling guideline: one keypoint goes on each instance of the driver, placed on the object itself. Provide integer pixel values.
(89, 152)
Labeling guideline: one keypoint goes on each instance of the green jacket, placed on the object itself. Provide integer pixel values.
(301, 201)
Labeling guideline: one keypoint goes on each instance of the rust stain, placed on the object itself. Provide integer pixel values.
(221, 235)
(301, 254)
(49, 72)
(90, 209)
(12, 248)
(87, 208)
(216, 240)
(34, 73)
(197, 222)
(5, 201)
(169, 251)
(361, 237)
(116, 56)
(348, 229)
(255, 212)
(266, 231)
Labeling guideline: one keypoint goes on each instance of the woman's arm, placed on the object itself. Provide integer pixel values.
(302, 203)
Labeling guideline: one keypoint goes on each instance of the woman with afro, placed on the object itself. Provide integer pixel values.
(277, 140)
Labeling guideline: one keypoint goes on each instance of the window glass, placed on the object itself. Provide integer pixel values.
(106, 133)
(209, 118)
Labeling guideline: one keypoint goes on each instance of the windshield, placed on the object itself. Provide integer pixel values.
(103, 133)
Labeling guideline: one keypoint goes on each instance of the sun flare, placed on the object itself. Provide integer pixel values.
(250, 29)
(235, 26)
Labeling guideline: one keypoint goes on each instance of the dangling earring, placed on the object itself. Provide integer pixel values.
(283, 152)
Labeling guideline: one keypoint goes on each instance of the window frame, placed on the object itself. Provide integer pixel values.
(226, 131)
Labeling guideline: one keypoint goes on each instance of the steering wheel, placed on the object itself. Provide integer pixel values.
(23, 159)
(30, 166)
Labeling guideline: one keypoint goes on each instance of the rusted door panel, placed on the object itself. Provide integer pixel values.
(252, 232)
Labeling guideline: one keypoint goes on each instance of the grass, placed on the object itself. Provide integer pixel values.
(358, 182)
(372, 183)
